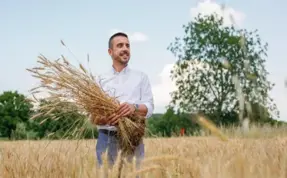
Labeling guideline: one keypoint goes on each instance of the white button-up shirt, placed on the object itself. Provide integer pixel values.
(130, 86)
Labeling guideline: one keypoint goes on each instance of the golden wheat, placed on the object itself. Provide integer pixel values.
(71, 88)
(165, 157)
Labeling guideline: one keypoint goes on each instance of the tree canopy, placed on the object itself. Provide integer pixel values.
(14, 109)
(219, 68)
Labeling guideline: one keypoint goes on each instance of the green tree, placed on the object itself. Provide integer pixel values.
(14, 109)
(170, 123)
(205, 82)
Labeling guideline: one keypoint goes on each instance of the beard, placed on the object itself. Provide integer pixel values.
(123, 58)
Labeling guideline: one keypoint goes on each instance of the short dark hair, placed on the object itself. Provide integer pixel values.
(115, 35)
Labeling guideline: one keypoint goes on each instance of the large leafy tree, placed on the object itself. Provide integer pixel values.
(219, 68)
(14, 109)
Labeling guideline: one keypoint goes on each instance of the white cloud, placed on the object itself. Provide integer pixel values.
(138, 37)
(134, 36)
(162, 90)
(207, 7)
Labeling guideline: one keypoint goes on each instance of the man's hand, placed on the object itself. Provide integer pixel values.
(99, 120)
(126, 109)
(113, 119)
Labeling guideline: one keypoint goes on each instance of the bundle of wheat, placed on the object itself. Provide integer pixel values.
(68, 84)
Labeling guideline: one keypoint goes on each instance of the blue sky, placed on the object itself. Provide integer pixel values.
(29, 28)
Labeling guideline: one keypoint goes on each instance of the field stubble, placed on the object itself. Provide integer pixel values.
(185, 157)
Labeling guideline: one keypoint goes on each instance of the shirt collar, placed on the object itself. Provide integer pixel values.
(125, 70)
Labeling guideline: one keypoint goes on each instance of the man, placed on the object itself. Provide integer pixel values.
(134, 93)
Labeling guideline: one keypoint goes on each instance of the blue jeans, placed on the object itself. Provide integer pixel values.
(110, 143)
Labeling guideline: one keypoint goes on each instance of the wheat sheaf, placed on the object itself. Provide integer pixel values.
(71, 85)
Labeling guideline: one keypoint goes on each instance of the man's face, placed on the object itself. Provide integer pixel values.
(120, 50)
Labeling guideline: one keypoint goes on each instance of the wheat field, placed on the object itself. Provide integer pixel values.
(262, 154)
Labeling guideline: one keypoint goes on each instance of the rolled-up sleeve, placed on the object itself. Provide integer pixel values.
(147, 96)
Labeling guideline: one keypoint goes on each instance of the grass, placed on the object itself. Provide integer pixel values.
(260, 153)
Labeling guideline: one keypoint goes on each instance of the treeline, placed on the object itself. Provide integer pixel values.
(16, 123)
